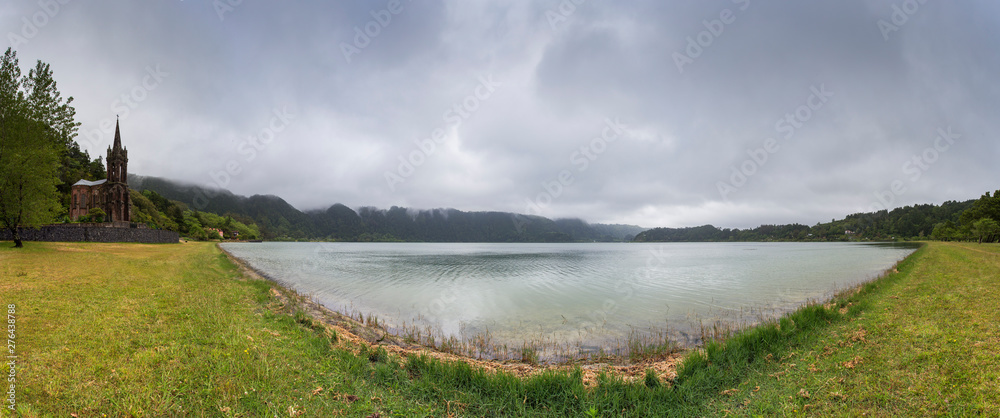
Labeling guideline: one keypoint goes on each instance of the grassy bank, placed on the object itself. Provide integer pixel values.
(153, 330)
(923, 341)
(128, 329)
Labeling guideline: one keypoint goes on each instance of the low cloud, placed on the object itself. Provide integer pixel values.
(751, 64)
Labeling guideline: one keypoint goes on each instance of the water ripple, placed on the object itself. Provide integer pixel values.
(564, 291)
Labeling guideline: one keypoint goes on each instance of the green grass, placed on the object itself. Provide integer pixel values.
(923, 341)
(174, 330)
(152, 330)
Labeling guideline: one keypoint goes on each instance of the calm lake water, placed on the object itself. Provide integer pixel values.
(589, 295)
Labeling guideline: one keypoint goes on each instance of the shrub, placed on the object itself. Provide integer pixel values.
(96, 215)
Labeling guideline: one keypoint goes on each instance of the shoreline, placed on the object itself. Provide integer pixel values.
(665, 365)
(356, 332)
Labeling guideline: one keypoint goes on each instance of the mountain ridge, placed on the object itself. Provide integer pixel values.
(280, 220)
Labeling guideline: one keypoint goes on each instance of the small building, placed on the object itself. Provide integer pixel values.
(111, 194)
(86, 194)
(215, 231)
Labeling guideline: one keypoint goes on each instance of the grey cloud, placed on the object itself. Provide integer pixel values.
(685, 130)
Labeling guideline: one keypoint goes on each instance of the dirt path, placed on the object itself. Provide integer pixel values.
(974, 249)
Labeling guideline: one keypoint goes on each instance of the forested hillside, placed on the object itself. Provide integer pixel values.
(280, 221)
(277, 220)
(969, 220)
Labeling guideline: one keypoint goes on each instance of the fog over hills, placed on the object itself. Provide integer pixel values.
(279, 220)
(658, 113)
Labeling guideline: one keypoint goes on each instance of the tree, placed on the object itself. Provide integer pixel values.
(47, 107)
(944, 231)
(985, 229)
(198, 233)
(96, 215)
(29, 148)
(986, 207)
(75, 165)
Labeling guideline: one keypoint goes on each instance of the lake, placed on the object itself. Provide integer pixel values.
(590, 296)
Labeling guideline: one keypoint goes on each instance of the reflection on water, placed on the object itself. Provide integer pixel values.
(584, 294)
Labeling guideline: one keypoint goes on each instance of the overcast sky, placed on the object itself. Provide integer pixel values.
(656, 113)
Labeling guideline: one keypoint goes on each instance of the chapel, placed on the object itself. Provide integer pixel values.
(110, 194)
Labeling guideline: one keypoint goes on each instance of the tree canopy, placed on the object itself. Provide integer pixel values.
(969, 220)
(36, 124)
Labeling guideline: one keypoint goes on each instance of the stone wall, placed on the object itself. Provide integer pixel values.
(94, 232)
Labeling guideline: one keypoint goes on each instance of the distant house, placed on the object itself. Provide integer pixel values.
(111, 194)
(848, 232)
(215, 231)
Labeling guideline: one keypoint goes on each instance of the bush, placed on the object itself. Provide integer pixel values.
(95, 215)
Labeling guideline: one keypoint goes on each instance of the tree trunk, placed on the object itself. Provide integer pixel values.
(17, 237)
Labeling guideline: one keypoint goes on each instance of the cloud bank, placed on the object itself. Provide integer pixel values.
(679, 113)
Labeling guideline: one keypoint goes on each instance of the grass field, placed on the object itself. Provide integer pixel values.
(921, 342)
(175, 330)
(131, 329)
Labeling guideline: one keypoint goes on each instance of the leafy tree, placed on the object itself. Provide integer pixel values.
(198, 233)
(986, 207)
(47, 107)
(33, 129)
(145, 211)
(171, 210)
(944, 231)
(985, 229)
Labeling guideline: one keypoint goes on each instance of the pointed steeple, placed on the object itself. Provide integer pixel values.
(118, 137)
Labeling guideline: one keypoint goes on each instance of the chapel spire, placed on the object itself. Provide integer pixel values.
(116, 200)
(117, 160)
(118, 136)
